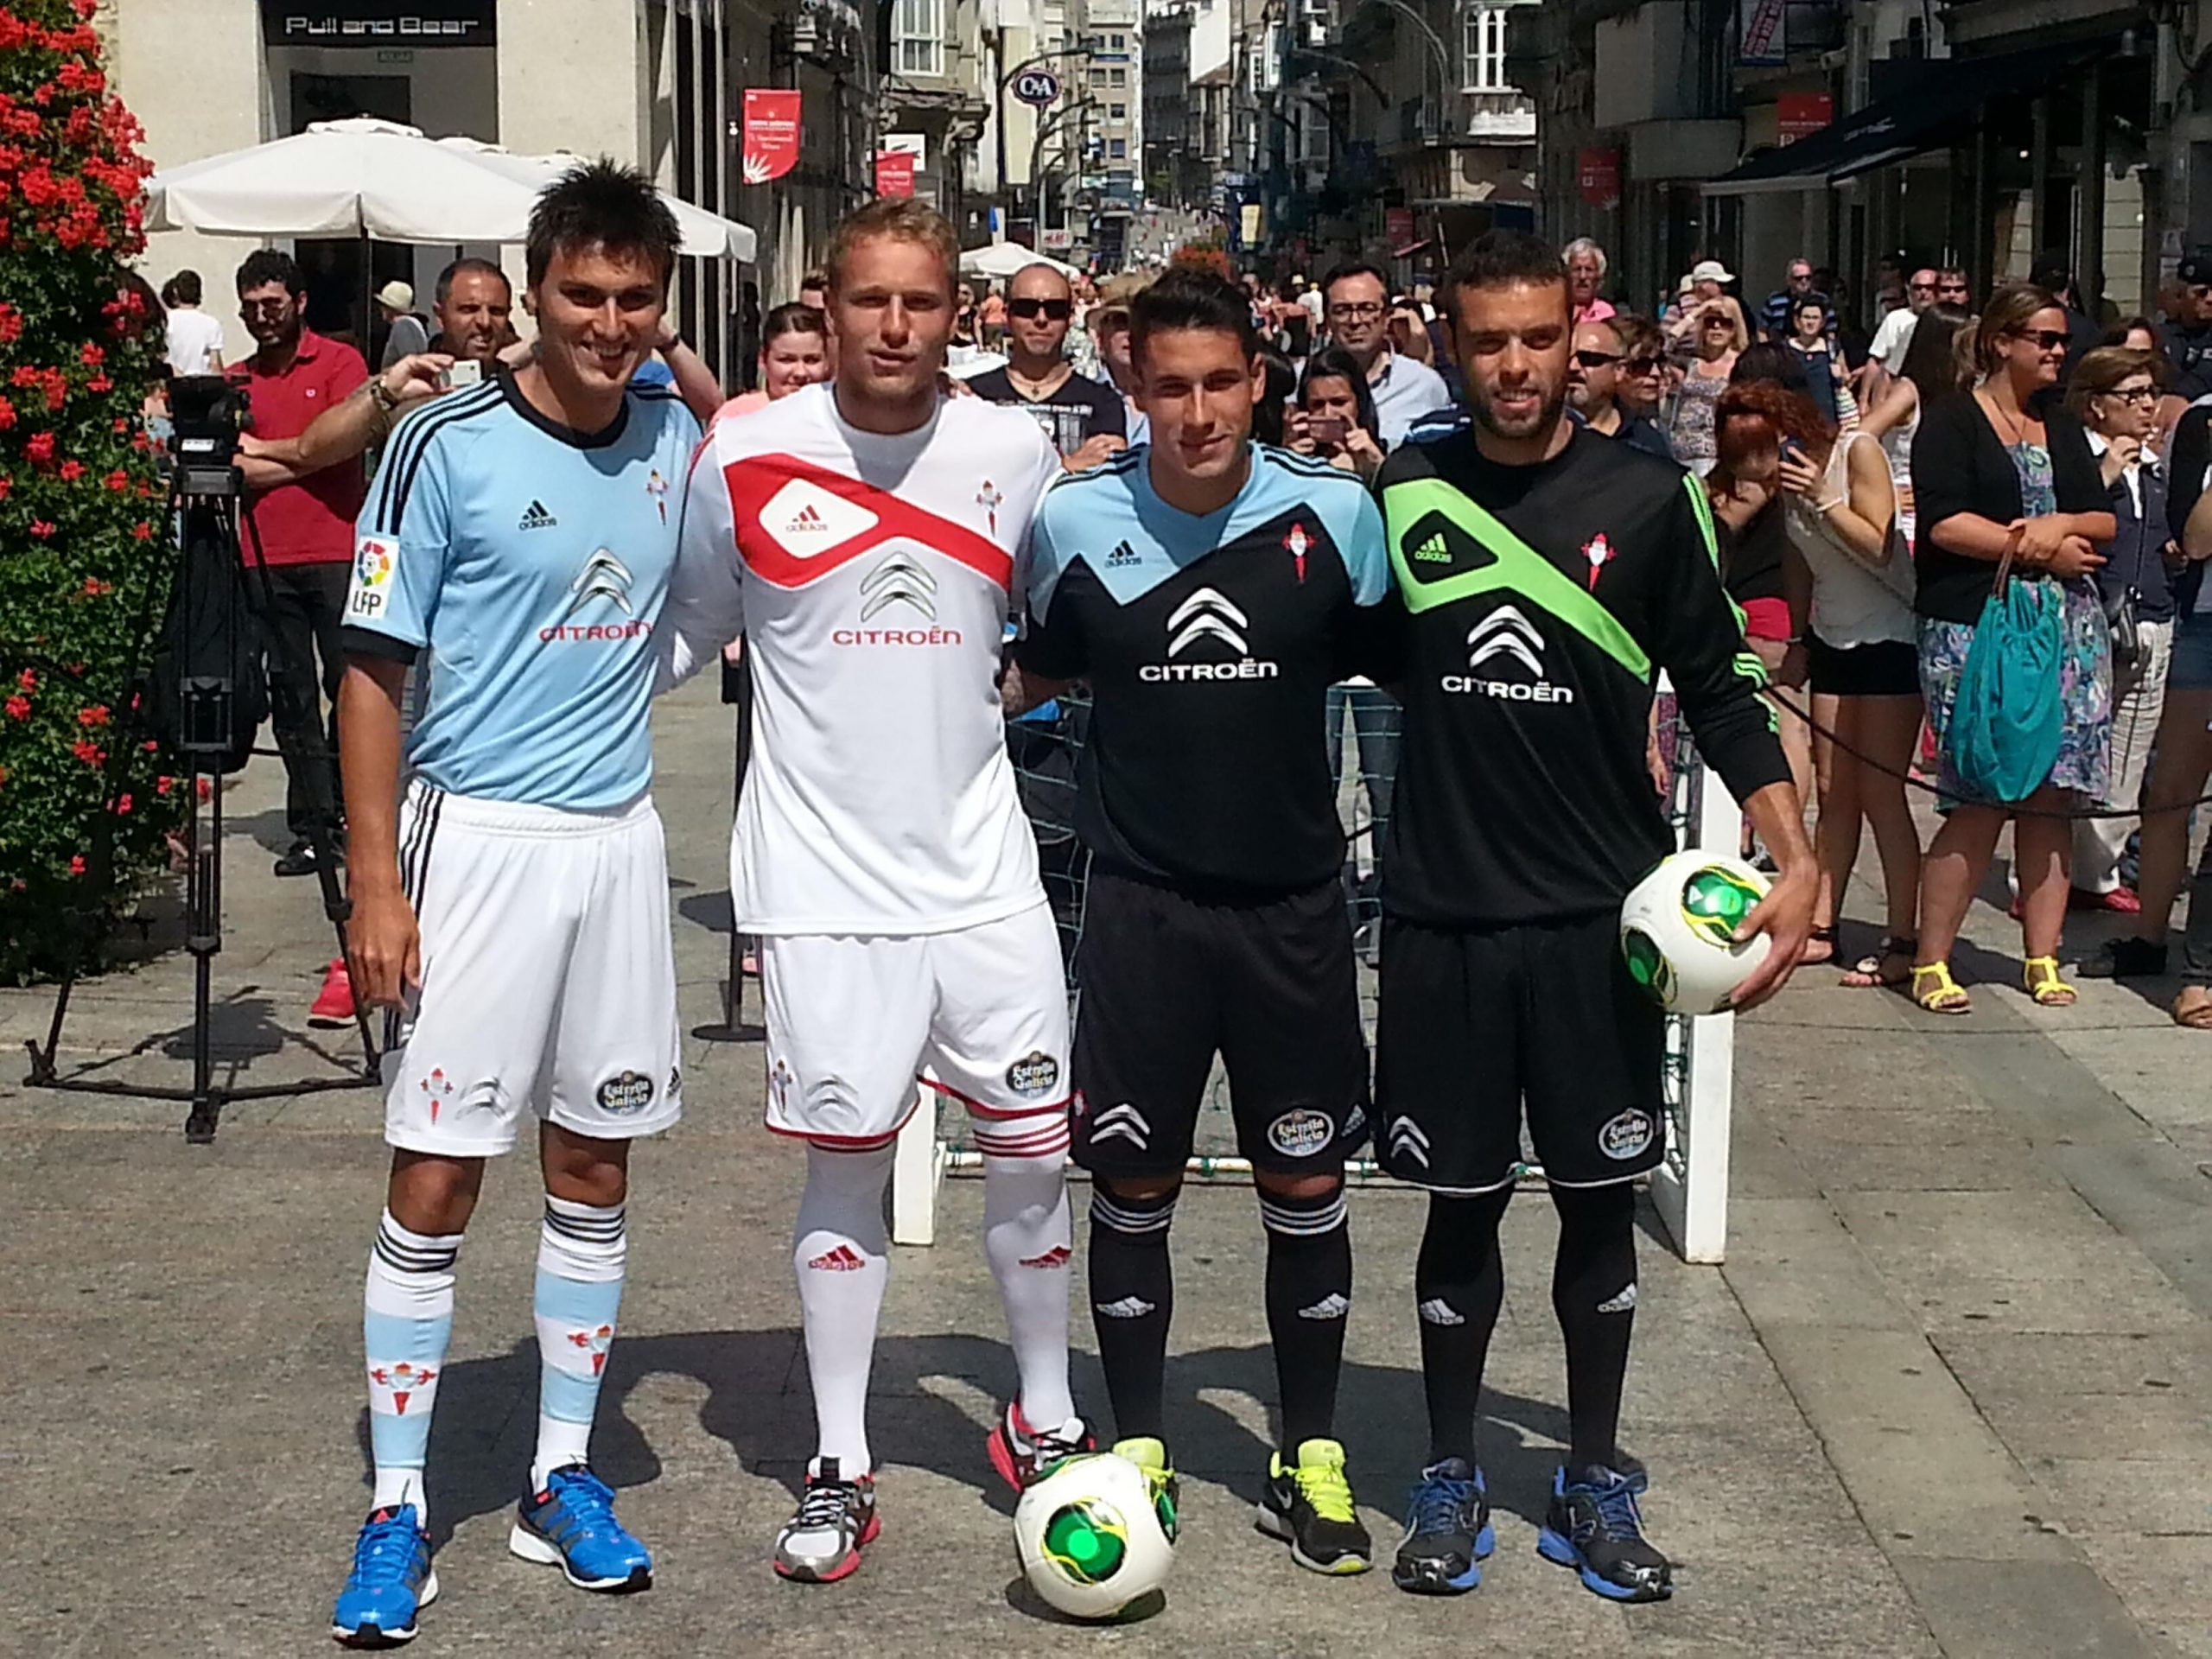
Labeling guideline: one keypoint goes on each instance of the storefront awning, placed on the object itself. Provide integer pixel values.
(1947, 100)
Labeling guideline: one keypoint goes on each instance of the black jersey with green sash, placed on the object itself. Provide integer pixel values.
(1532, 611)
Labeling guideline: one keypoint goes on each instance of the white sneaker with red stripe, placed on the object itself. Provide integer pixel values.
(1020, 1452)
(820, 1543)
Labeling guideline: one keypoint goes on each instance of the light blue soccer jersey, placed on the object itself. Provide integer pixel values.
(531, 562)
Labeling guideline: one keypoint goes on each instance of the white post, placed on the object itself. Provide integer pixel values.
(1693, 1203)
(917, 1167)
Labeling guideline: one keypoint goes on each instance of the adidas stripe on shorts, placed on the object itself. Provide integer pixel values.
(548, 978)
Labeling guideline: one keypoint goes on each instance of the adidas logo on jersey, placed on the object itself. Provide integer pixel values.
(1130, 1307)
(805, 520)
(1124, 557)
(1432, 551)
(534, 517)
(841, 1259)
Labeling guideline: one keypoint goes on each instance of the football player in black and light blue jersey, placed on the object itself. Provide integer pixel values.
(1209, 589)
(512, 911)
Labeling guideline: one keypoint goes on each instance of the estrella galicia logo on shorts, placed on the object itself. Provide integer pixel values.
(625, 1093)
(1300, 1133)
(1626, 1136)
(1032, 1074)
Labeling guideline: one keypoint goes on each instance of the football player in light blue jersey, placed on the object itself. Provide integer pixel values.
(513, 910)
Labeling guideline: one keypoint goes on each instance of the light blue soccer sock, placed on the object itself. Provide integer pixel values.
(580, 1250)
(406, 1320)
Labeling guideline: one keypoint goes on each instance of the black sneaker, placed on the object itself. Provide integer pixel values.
(300, 858)
(1593, 1526)
(1448, 1533)
(1309, 1505)
(2128, 957)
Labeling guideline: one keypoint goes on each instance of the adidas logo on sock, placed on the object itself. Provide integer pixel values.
(1623, 1303)
(534, 517)
(1334, 1305)
(1056, 1257)
(1130, 1307)
(1433, 551)
(1122, 557)
(1437, 1310)
(843, 1259)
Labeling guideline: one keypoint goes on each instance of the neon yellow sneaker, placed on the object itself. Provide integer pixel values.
(1309, 1507)
(1151, 1457)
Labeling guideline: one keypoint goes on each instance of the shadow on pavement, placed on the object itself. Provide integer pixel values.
(485, 1423)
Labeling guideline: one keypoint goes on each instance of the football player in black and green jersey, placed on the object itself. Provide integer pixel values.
(1543, 578)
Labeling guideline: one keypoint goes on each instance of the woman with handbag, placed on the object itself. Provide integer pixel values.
(2114, 393)
(2014, 659)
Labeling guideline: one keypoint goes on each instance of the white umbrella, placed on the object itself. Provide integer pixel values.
(344, 178)
(381, 180)
(707, 235)
(1004, 260)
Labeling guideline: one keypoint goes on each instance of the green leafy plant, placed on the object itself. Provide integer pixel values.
(84, 539)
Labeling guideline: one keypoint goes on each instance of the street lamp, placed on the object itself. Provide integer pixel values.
(1083, 48)
(1435, 41)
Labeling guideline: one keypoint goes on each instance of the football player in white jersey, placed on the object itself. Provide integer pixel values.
(865, 535)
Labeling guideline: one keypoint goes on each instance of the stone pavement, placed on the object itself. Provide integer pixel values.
(1949, 1395)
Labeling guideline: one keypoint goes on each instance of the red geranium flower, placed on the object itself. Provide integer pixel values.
(142, 532)
(88, 752)
(71, 471)
(28, 679)
(119, 480)
(40, 448)
(97, 715)
(42, 528)
(19, 708)
(76, 864)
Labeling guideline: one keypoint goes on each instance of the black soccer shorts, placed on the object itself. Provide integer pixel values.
(1167, 980)
(1475, 1023)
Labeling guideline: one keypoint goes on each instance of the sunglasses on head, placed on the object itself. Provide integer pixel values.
(1058, 310)
(1596, 359)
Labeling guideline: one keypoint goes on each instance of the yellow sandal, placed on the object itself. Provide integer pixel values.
(2039, 976)
(1935, 990)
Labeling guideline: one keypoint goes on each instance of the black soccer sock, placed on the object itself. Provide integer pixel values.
(1593, 1293)
(1309, 1294)
(1459, 1284)
(1132, 1299)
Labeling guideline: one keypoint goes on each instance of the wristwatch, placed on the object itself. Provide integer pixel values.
(382, 396)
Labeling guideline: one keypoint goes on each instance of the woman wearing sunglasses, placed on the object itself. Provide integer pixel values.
(1718, 335)
(1993, 481)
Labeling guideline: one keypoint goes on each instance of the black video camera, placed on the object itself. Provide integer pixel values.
(208, 413)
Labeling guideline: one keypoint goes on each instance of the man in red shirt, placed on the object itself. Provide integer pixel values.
(303, 523)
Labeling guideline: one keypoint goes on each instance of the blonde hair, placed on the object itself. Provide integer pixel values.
(901, 219)
(2006, 314)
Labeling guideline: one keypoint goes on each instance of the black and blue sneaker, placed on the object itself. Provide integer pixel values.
(1594, 1526)
(392, 1580)
(1448, 1532)
(571, 1525)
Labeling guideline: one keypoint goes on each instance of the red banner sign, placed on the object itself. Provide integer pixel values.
(1398, 227)
(770, 134)
(1800, 115)
(894, 172)
(1598, 176)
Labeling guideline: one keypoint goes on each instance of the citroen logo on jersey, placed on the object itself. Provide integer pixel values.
(1506, 639)
(1207, 615)
(1506, 633)
(604, 577)
(1408, 1142)
(900, 579)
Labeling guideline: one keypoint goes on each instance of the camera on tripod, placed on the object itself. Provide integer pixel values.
(208, 413)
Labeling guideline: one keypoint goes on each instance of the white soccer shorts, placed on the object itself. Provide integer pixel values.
(548, 978)
(852, 1020)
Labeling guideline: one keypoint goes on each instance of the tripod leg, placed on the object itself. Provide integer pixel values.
(204, 903)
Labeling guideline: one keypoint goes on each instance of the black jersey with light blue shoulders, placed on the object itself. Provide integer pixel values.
(1209, 643)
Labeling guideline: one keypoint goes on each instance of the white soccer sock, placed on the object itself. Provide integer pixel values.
(581, 1252)
(1028, 1237)
(840, 1254)
(407, 1318)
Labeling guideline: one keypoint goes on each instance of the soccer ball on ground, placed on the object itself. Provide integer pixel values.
(1090, 1538)
(1678, 928)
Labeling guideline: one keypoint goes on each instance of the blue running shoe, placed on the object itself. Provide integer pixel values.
(1448, 1533)
(390, 1581)
(1594, 1526)
(571, 1525)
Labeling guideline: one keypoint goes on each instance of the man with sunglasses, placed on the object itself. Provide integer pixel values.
(1594, 373)
(1886, 355)
(1082, 419)
(2186, 336)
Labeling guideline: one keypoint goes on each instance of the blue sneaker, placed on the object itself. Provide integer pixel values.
(1448, 1533)
(1594, 1526)
(390, 1581)
(571, 1525)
